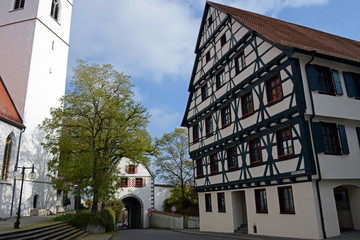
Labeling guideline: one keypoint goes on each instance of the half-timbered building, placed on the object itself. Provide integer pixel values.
(274, 126)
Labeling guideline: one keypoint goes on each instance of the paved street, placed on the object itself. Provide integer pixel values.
(163, 234)
(159, 234)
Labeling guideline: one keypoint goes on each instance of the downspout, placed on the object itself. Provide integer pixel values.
(316, 155)
(15, 169)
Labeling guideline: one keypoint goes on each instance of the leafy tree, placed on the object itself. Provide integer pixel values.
(97, 125)
(173, 163)
(189, 205)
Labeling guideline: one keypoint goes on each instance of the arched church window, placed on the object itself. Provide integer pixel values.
(55, 9)
(6, 160)
(19, 4)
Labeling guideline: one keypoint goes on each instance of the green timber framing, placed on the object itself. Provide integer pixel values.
(265, 124)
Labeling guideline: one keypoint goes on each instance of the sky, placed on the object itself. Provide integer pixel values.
(153, 41)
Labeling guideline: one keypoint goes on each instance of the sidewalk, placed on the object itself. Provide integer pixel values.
(349, 235)
(7, 225)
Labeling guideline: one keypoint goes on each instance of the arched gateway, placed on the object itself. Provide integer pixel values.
(135, 208)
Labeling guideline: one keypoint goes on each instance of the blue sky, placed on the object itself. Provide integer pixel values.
(153, 41)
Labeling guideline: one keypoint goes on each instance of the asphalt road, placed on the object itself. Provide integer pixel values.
(159, 234)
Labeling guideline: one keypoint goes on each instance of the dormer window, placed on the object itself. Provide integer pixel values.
(55, 9)
(19, 4)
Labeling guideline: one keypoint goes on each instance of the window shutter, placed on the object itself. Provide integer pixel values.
(319, 139)
(349, 82)
(343, 139)
(336, 77)
(358, 133)
(312, 75)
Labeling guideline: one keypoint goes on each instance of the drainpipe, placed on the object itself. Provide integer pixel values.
(15, 169)
(316, 155)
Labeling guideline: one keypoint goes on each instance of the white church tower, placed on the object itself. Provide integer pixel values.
(34, 44)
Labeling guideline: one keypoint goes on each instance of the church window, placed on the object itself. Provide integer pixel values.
(6, 160)
(55, 9)
(19, 4)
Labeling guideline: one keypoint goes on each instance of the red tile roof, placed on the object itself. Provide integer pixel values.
(293, 35)
(8, 110)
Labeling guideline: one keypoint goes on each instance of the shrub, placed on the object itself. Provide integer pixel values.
(117, 206)
(65, 217)
(108, 215)
(83, 219)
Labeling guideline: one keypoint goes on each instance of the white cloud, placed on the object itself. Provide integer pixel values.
(151, 40)
(163, 118)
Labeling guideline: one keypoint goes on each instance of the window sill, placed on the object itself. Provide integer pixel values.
(226, 125)
(262, 212)
(214, 173)
(255, 164)
(231, 169)
(292, 213)
(275, 101)
(199, 176)
(247, 115)
(209, 134)
(333, 153)
(286, 157)
(327, 93)
(196, 140)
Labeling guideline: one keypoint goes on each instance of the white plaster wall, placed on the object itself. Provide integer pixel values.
(6, 187)
(329, 207)
(216, 221)
(326, 105)
(164, 221)
(344, 166)
(160, 194)
(303, 224)
(35, 74)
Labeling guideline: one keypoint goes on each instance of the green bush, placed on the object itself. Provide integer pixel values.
(108, 215)
(117, 206)
(82, 219)
(106, 218)
(65, 217)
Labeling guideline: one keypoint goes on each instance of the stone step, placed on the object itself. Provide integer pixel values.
(54, 232)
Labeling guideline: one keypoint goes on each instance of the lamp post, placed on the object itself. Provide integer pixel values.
(31, 176)
(77, 198)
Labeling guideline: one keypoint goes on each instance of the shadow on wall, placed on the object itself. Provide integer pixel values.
(31, 153)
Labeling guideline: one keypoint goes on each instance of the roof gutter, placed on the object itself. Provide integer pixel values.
(316, 155)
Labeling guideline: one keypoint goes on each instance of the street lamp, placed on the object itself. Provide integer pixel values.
(77, 198)
(31, 176)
